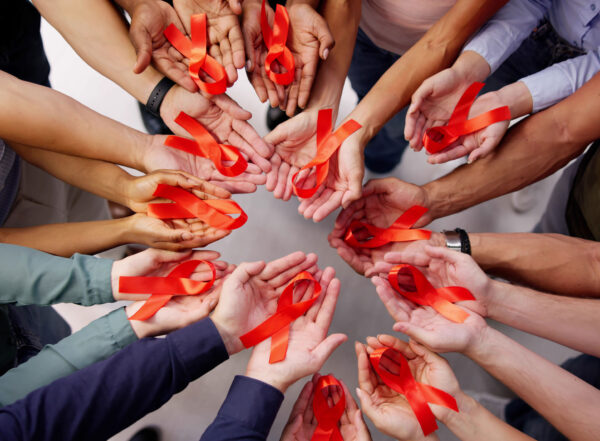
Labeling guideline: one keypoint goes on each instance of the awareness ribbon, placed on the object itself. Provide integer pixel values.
(275, 41)
(327, 144)
(164, 288)
(205, 145)
(440, 299)
(328, 417)
(195, 50)
(417, 394)
(277, 326)
(186, 206)
(438, 138)
(399, 231)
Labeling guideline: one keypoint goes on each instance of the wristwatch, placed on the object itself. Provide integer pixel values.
(158, 95)
(457, 240)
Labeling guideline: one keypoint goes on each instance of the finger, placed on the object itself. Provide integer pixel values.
(289, 185)
(231, 107)
(325, 281)
(272, 176)
(332, 204)
(397, 344)
(366, 377)
(417, 140)
(303, 401)
(306, 82)
(238, 187)
(321, 197)
(324, 349)
(278, 266)
(396, 306)
(327, 308)
(279, 190)
(142, 42)
(236, 41)
(354, 191)
(235, 6)
(284, 277)
(254, 157)
(415, 332)
(258, 83)
(292, 95)
(246, 270)
(249, 134)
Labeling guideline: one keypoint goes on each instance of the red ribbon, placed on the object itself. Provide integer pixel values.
(205, 145)
(417, 394)
(440, 299)
(164, 288)
(187, 206)
(399, 231)
(277, 326)
(328, 417)
(275, 41)
(327, 144)
(438, 138)
(195, 50)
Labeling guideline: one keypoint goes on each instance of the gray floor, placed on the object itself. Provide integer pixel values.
(275, 229)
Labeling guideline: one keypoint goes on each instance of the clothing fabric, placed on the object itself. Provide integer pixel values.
(10, 174)
(396, 25)
(576, 21)
(369, 63)
(104, 398)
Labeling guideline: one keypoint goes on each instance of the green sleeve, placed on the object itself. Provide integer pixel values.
(97, 341)
(31, 277)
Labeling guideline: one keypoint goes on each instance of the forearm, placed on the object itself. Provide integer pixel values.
(70, 238)
(343, 17)
(531, 150)
(542, 384)
(31, 277)
(97, 341)
(549, 262)
(474, 422)
(99, 35)
(41, 117)
(436, 50)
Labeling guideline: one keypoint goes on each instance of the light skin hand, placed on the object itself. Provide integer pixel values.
(309, 347)
(250, 294)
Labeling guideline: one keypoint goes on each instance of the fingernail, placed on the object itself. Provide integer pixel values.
(325, 54)
(249, 64)
(187, 236)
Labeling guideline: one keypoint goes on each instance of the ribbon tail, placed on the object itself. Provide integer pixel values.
(151, 306)
(450, 310)
(422, 411)
(279, 345)
(437, 396)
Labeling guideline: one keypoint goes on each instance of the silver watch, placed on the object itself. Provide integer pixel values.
(453, 240)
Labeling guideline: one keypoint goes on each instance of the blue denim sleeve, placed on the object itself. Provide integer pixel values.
(247, 413)
(101, 400)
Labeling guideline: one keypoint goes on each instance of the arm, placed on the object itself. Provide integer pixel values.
(140, 378)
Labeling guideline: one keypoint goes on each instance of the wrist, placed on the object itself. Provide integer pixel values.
(471, 67)
(232, 343)
(142, 329)
(268, 378)
(518, 99)
(480, 345)
(466, 406)
(495, 297)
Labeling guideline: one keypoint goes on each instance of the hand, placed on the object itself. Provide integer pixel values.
(222, 117)
(225, 39)
(249, 295)
(160, 157)
(173, 235)
(149, 18)
(479, 144)
(256, 52)
(140, 190)
(302, 422)
(309, 40)
(389, 410)
(159, 263)
(309, 347)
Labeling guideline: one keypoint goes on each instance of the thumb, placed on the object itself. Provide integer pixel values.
(444, 254)
(142, 42)
(245, 271)
(278, 135)
(354, 190)
(235, 6)
(418, 334)
(365, 402)
(326, 41)
(324, 349)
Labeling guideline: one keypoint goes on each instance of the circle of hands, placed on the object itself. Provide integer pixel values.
(245, 296)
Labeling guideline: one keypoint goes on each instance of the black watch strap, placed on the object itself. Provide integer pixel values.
(465, 243)
(158, 95)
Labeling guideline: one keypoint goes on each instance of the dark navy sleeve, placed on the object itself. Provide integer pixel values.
(101, 400)
(247, 413)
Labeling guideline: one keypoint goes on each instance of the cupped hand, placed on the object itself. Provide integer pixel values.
(308, 345)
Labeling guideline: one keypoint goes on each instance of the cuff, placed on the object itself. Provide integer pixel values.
(98, 271)
(200, 347)
(254, 403)
(547, 89)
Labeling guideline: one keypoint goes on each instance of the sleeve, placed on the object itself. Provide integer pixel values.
(247, 413)
(97, 341)
(504, 32)
(555, 83)
(31, 277)
(101, 400)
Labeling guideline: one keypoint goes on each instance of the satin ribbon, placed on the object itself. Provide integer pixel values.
(328, 417)
(438, 138)
(205, 145)
(195, 50)
(164, 288)
(417, 394)
(187, 206)
(440, 299)
(275, 41)
(277, 326)
(399, 231)
(327, 144)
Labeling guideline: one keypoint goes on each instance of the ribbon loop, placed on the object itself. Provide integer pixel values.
(417, 394)
(399, 231)
(328, 417)
(213, 212)
(327, 144)
(162, 289)
(277, 326)
(204, 145)
(440, 299)
(275, 41)
(438, 138)
(195, 50)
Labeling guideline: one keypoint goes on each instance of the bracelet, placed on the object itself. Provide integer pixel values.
(158, 95)
(465, 243)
